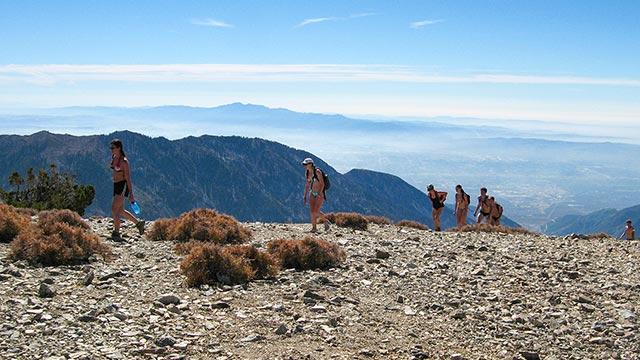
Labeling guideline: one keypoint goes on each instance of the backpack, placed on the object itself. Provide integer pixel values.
(468, 198)
(325, 178)
(499, 207)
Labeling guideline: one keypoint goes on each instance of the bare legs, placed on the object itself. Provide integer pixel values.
(315, 203)
(461, 217)
(117, 210)
(435, 213)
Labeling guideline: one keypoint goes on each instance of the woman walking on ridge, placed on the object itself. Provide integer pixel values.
(437, 200)
(314, 187)
(122, 188)
(462, 206)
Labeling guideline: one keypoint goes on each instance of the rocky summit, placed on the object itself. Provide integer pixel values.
(401, 294)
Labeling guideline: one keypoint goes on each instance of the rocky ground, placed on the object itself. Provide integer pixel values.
(401, 294)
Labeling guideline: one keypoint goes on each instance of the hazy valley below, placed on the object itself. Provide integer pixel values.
(538, 175)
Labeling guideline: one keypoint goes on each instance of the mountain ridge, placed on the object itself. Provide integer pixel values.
(250, 178)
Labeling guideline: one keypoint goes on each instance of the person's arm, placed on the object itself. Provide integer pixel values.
(127, 176)
(306, 187)
(455, 208)
(320, 178)
(475, 213)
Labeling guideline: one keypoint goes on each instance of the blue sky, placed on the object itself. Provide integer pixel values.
(571, 61)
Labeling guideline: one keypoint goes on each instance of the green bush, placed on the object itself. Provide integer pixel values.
(48, 190)
(308, 253)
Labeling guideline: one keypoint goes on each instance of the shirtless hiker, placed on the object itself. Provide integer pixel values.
(629, 231)
(483, 206)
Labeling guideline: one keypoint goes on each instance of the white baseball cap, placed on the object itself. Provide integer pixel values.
(307, 161)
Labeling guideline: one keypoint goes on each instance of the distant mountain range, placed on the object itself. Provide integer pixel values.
(609, 221)
(538, 172)
(249, 178)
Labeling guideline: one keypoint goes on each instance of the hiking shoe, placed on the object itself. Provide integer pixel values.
(140, 226)
(115, 236)
(327, 225)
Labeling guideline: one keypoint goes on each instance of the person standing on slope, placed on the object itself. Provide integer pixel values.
(122, 188)
(314, 188)
(462, 207)
(437, 200)
(483, 206)
(629, 231)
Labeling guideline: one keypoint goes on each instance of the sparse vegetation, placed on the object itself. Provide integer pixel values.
(353, 221)
(412, 224)
(210, 264)
(48, 218)
(12, 222)
(261, 262)
(599, 236)
(494, 228)
(379, 220)
(48, 190)
(160, 231)
(201, 225)
(308, 253)
(57, 242)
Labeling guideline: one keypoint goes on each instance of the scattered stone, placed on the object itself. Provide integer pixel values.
(46, 291)
(167, 299)
(381, 254)
(282, 329)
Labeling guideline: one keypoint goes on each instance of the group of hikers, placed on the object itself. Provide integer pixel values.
(316, 183)
(487, 209)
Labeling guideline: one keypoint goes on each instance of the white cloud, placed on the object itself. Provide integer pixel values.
(211, 23)
(423, 23)
(332, 18)
(316, 20)
(272, 73)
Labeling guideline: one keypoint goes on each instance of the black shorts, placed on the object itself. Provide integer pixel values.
(120, 188)
(484, 213)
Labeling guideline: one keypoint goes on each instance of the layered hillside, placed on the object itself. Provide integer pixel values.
(609, 221)
(249, 178)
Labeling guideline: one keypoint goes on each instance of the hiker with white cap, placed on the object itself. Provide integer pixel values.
(314, 188)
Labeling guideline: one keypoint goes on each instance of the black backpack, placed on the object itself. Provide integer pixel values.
(325, 178)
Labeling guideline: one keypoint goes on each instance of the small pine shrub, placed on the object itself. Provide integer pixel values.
(412, 224)
(353, 221)
(209, 226)
(494, 228)
(211, 264)
(263, 263)
(379, 220)
(160, 231)
(12, 222)
(308, 253)
(49, 217)
(57, 244)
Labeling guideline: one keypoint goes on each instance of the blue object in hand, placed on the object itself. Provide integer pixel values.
(135, 208)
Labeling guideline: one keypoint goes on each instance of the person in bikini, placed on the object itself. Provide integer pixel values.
(483, 206)
(462, 207)
(314, 188)
(629, 231)
(437, 200)
(122, 188)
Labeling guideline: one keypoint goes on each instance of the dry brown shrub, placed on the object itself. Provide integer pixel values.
(207, 225)
(599, 236)
(12, 222)
(353, 221)
(57, 244)
(160, 231)
(308, 253)
(211, 264)
(379, 220)
(184, 248)
(493, 229)
(412, 224)
(49, 217)
(263, 263)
